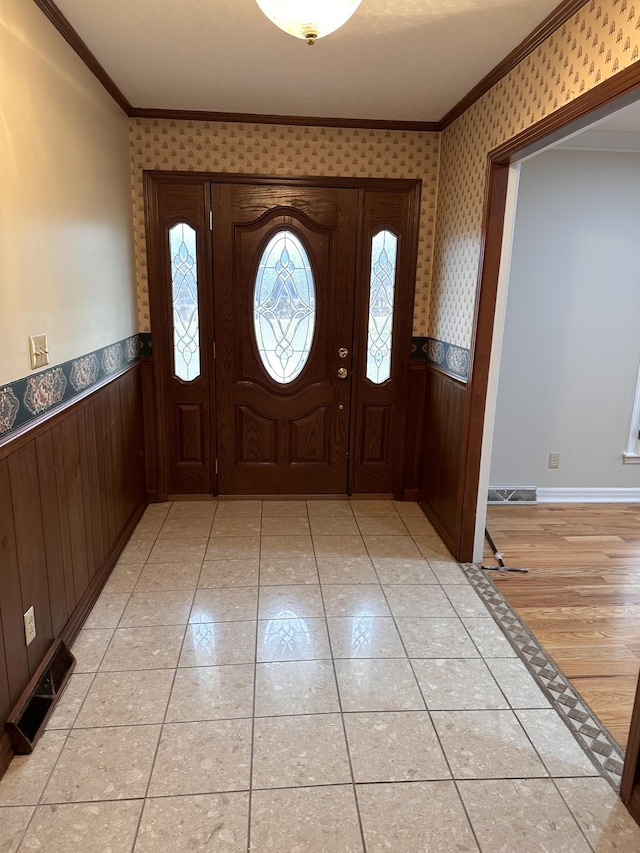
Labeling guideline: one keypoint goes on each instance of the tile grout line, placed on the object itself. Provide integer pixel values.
(487, 667)
(161, 732)
(298, 787)
(544, 669)
(343, 713)
(39, 803)
(68, 731)
(255, 684)
(72, 727)
(317, 713)
(335, 678)
(570, 810)
(514, 712)
(428, 712)
(175, 670)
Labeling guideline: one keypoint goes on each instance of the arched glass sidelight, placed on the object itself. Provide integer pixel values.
(184, 294)
(284, 307)
(384, 247)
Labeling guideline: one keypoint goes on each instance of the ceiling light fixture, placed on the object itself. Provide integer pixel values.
(309, 19)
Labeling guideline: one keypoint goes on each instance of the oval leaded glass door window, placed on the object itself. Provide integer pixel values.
(284, 307)
(384, 247)
(184, 293)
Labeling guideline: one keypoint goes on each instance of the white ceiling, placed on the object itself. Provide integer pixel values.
(394, 60)
(619, 132)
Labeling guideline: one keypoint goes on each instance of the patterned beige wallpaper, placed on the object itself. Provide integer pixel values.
(287, 150)
(602, 39)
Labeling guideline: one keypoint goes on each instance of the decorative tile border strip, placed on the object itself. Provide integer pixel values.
(590, 733)
(26, 399)
(449, 358)
(513, 494)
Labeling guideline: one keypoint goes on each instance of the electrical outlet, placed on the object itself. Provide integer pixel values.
(30, 625)
(39, 351)
(554, 460)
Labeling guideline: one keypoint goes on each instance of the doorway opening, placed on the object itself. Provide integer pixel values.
(501, 196)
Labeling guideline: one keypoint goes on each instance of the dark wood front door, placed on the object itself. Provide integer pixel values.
(281, 319)
(284, 274)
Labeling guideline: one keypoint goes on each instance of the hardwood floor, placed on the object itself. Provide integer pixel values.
(581, 597)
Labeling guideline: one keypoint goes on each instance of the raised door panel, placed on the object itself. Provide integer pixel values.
(310, 438)
(256, 437)
(375, 435)
(189, 428)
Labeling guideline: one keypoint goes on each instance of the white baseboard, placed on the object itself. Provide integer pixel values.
(588, 496)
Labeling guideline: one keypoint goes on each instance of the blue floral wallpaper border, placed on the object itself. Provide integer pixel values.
(449, 358)
(27, 399)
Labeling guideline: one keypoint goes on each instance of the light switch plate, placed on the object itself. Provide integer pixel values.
(39, 350)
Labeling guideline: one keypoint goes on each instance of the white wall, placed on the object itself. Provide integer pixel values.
(572, 336)
(66, 256)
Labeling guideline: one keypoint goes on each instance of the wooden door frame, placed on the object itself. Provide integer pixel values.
(152, 178)
(619, 91)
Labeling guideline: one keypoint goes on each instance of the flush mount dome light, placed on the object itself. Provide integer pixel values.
(309, 19)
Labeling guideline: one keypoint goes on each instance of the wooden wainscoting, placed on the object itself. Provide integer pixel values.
(71, 492)
(443, 459)
(147, 369)
(414, 429)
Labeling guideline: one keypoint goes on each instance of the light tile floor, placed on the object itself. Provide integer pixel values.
(289, 676)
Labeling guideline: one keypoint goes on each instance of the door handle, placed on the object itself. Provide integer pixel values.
(343, 353)
(343, 373)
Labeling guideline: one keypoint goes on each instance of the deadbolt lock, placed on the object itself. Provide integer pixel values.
(343, 353)
(343, 373)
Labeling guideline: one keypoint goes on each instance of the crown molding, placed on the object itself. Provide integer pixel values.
(551, 23)
(298, 121)
(53, 13)
(73, 39)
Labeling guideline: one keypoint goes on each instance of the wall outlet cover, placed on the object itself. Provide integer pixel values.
(30, 625)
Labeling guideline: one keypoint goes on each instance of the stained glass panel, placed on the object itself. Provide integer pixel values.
(384, 248)
(184, 292)
(284, 307)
